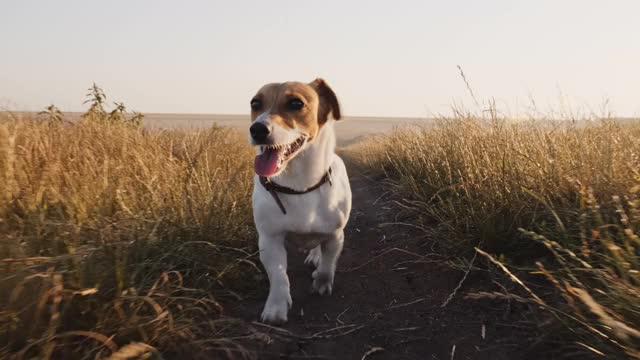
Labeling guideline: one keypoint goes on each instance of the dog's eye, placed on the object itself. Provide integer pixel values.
(256, 105)
(295, 104)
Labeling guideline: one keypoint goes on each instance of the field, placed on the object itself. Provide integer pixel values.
(112, 234)
(350, 131)
(557, 201)
(124, 237)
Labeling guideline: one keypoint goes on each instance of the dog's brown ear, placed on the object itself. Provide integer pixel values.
(328, 101)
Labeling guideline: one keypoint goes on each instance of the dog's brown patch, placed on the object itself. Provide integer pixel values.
(328, 101)
(318, 98)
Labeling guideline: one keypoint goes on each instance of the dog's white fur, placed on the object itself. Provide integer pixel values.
(314, 220)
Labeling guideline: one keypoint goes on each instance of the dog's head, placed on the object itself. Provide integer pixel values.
(285, 118)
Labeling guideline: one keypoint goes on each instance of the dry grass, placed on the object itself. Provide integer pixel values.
(111, 234)
(480, 180)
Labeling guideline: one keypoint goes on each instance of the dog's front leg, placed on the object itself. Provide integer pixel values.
(274, 259)
(324, 274)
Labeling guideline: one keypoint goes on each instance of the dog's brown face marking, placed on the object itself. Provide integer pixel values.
(305, 107)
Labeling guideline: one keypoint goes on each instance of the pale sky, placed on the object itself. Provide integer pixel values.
(383, 58)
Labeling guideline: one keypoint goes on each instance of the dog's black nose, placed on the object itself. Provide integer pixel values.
(259, 131)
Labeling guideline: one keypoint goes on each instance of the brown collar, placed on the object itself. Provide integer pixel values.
(274, 188)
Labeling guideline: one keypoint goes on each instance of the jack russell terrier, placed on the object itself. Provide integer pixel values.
(301, 189)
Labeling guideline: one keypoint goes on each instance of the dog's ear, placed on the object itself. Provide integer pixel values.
(328, 101)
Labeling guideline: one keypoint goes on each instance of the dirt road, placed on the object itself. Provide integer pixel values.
(387, 299)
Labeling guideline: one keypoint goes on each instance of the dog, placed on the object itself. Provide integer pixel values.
(301, 189)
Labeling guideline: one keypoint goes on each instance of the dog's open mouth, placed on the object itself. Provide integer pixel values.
(273, 157)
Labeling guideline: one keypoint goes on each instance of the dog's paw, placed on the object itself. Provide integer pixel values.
(275, 311)
(322, 282)
(314, 256)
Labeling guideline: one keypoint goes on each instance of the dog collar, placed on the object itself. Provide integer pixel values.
(274, 188)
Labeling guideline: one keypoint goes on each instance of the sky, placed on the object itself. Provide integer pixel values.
(383, 58)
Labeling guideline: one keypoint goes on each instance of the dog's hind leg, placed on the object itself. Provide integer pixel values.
(274, 259)
(324, 274)
(314, 256)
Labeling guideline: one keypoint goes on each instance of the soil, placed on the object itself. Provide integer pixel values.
(387, 299)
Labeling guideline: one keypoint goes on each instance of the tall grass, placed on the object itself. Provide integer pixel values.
(524, 190)
(111, 234)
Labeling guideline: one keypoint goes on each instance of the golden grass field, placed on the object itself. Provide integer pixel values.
(93, 211)
(560, 200)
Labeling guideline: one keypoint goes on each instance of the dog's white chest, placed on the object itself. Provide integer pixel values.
(322, 211)
(319, 212)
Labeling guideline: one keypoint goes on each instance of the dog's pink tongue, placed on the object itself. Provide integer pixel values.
(267, 163)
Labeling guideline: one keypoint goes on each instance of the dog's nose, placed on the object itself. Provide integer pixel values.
(259, 131)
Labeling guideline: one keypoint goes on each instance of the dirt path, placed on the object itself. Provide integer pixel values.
(386, 301)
